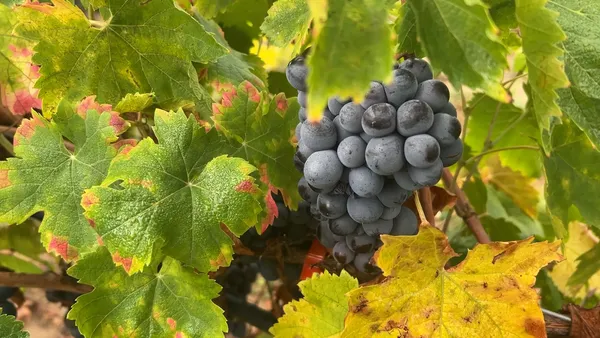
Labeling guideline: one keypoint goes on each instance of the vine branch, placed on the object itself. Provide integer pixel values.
(427, 205)
(496, 150)
(464, 209)
(43, 281)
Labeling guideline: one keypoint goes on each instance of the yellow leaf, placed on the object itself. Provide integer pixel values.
(489, 294)
(581, 239)
(518, 187)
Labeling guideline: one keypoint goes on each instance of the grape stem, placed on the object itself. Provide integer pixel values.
(464, 209)
(491, 151)
(424, 220)
(47, 280)
(427, 204)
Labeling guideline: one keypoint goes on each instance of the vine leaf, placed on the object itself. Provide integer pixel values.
(261, 131)
(580, 241)
(165, 300)
(229, 70)
(581, 101)
(322, 310)
(133, 103)
(588, 267)
(460, 39)
(287, 21)
(22, 239)
(354, 47)
(145, 47)
(540, 33)
(18, 72)
(211, 8)
(572, 175)
(174, 195)
(45, 176)
(488, 294)
(406, 28)
(11, 328)
(523, 132)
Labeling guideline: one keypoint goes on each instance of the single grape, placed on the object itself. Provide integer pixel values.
(283, 214)
(351, 152)
(360, 244)
(292, 271)
(303, 151)
(385, 155)
(434, 93)
(403, 87)
(268, 269)
(403, 179)
(332, 206)
(364, 210)
(427, 176)
(446, 129)
(420, 68)
(414, 117)
(341, 132)
(302, 215)
(323, 169)
(325, 236)
(359, 231)
(315, 213)
(392, 195)
(351, 116)
(379, 120)
(362, 262)
(335, 104)
(296, 73)
(406, 224)
(367, 138)
(343, 225)
(421, 150)
(306, 191)
(302, 100)
(452, 153)
(364, 182)
(296, 233)
(448, 109)
(297, 131)
(342, 253)
(319, 135)
(390, 213)
(379, 227)
(375, 95)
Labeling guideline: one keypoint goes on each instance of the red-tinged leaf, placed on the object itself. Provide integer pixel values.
(174, 196)
(45, 176)
(260, 130)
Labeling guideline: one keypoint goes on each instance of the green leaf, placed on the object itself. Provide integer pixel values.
(232, 69)
(22, 238)
(541, 34)
(145, 47)
(589, 265)
(477, 193)
(261, 130)
(406, 28)
(134, 102)
(502, 12)
(11, 328)
(518, 128)
(45, 176)
(287, 20)
(572, 174)
(175, 195)
(322, 310)
(211, 8)
(581, 101)
(18, 74)
(500, 229)
(244, 18)
(551, 297)
(459, 39)
(167, 300)
(18, 265)
(353, 48)
(502, 207)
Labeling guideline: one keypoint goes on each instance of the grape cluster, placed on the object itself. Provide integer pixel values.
(362, 161)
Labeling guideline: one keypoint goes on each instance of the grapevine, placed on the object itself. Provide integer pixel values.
(299, 168)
